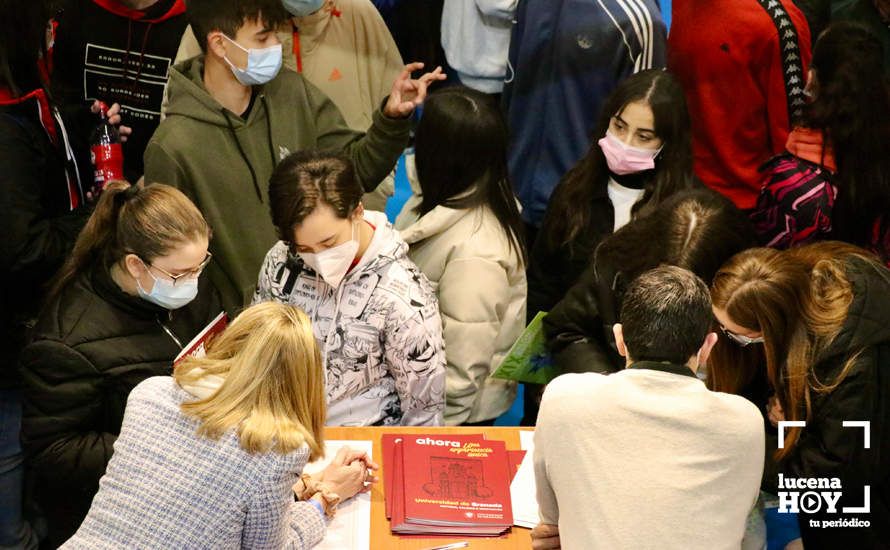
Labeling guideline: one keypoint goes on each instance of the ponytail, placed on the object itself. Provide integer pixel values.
(96, 236)
(130, 219)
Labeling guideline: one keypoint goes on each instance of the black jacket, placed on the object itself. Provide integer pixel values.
(579, 327)
(552, 270)
(826, 449)
(38, 221)
(92, 345)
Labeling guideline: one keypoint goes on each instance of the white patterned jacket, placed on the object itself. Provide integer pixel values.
(379, 332)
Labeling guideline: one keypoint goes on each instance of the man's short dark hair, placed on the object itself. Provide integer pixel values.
(227, 16)
(665, 315)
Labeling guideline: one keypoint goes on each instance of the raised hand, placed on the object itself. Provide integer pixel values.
(408, 93)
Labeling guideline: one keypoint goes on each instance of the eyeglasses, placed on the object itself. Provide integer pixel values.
(190, 274)
(741, 339)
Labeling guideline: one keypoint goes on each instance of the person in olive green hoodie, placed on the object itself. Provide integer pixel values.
(232, 116)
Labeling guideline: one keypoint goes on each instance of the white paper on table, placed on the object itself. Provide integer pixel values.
(351, 527)
(523, 492)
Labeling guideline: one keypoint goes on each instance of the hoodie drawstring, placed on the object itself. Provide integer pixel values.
(127, 51)
(269, 129)
(142, 55)
(256, 185)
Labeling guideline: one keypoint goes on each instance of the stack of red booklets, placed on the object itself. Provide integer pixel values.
(448, 484)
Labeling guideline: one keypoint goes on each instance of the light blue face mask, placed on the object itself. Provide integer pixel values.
(167, 295)
(262, 64)
(300, 8)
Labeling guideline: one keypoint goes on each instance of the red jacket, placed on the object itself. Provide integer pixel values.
(726, 55)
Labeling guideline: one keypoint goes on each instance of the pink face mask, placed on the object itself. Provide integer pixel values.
(623, 159)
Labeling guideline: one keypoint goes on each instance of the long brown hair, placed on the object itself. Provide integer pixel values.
(851, 108)
(798, 299)
(673, 167)
(273, 385)
(129, 219)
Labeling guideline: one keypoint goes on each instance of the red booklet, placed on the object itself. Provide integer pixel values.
(514, 459)
(387, 442)
(195, 348)
(443, 485)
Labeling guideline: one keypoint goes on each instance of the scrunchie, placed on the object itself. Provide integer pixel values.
(125, 195)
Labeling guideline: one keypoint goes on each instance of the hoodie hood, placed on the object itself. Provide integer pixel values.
(157, 12)
(188, 97)
(309, 28)
(434, 222)
(868, 319)
(386, 247)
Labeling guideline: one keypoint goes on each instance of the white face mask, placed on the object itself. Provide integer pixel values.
(333, 264)
(262, 64)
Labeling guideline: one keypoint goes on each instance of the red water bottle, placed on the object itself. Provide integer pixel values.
(106, 152)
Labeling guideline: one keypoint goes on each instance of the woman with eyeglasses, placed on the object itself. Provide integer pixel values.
(815, 321)
(123, 306)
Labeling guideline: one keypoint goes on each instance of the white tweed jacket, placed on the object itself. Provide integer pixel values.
(166, 487)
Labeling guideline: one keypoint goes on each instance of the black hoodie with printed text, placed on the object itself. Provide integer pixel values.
(106, 51)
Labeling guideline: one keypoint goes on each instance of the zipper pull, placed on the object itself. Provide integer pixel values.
(169, 332)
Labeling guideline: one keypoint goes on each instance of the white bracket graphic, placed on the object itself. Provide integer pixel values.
(790, 424)
(866, 507)
(865, 425)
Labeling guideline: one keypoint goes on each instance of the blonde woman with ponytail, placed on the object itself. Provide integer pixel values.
(218, 449)
(814, 323)
(122, 307)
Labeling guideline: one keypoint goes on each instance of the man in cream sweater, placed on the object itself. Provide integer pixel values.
(649, 457)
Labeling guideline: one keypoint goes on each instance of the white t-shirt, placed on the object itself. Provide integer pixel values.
(623, 199)
(635, 459)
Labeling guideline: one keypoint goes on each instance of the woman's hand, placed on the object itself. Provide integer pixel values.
(774, 411)
(114, 118)
(349, 472)
(545, 536)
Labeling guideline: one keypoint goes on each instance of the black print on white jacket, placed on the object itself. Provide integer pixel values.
(379, 333)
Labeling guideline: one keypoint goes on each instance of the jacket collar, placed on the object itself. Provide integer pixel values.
(105, 286)
(672, 368)
(203, 385)
(44, 110)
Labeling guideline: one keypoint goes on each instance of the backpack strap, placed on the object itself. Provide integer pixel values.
(789, 53)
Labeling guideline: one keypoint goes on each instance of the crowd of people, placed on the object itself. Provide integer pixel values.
(703, 215)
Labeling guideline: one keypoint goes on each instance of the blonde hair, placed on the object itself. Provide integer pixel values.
(273, 389)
